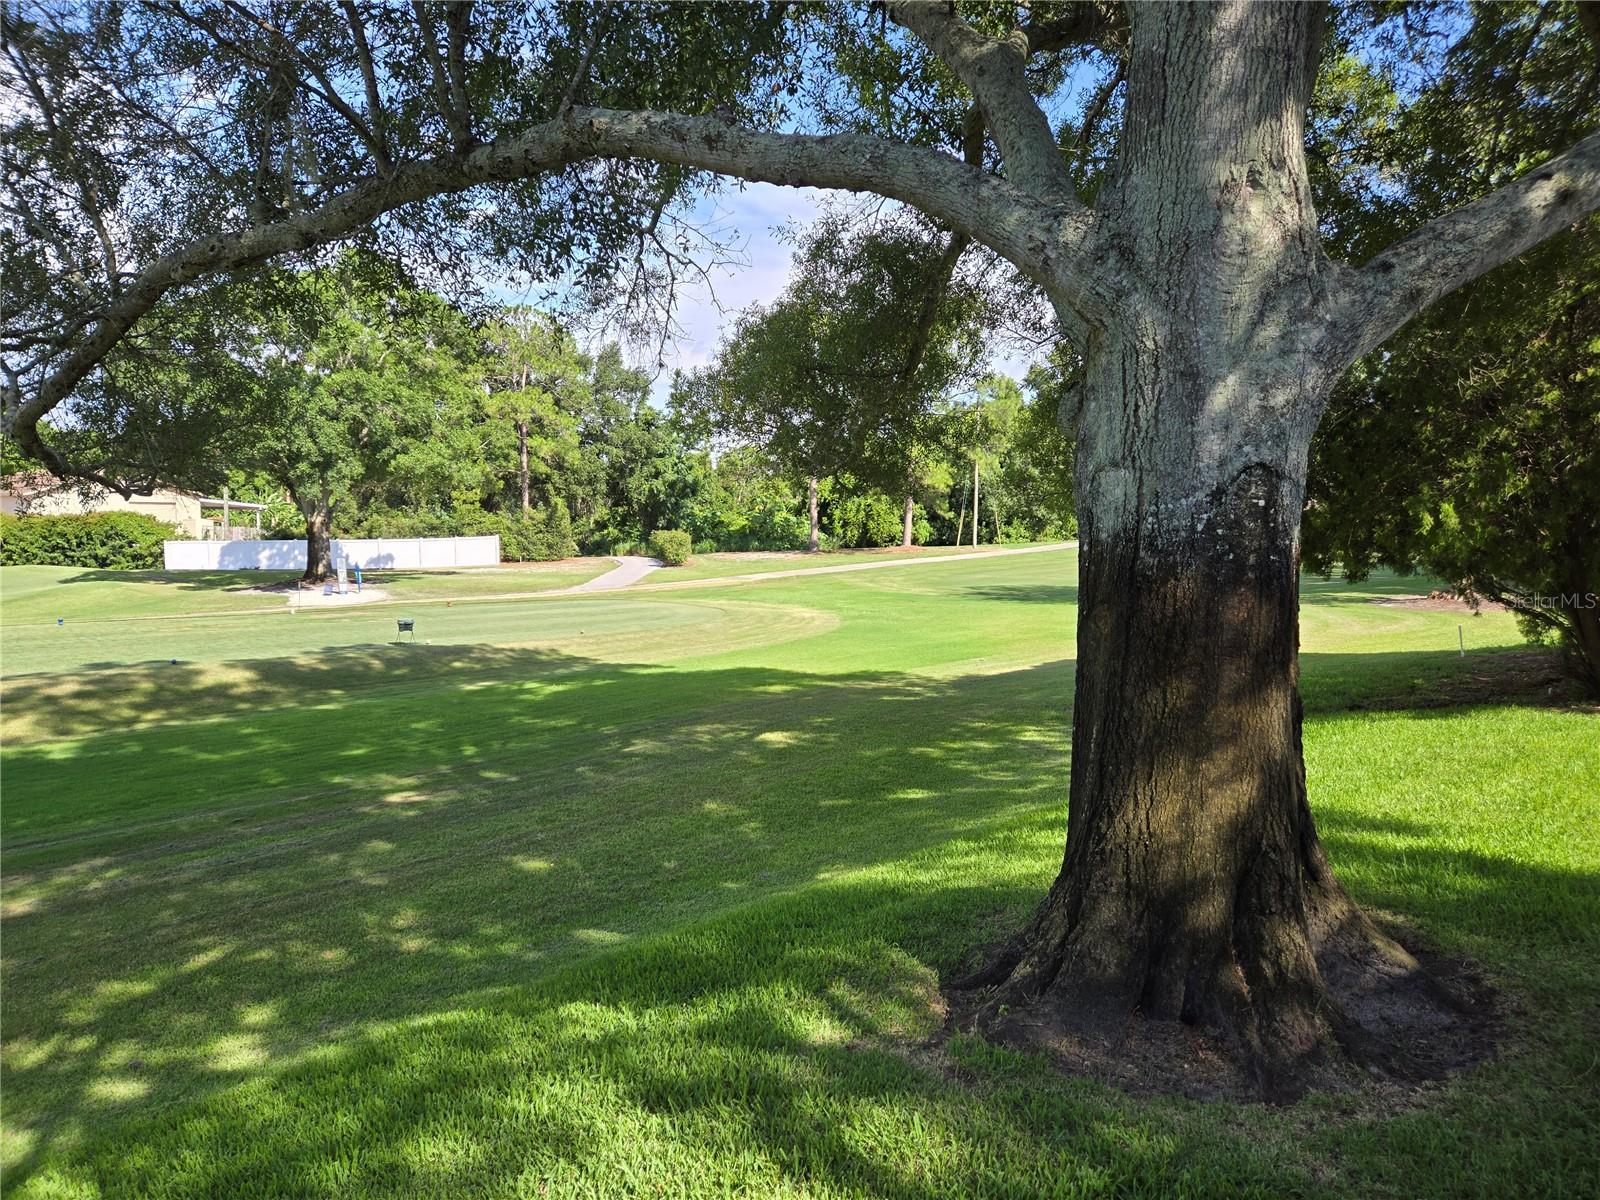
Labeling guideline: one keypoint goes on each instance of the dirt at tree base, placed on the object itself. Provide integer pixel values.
(1429, 1027)
(1532, 676)
(1440, 601)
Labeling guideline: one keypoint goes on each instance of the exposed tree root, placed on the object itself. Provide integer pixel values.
(1282, 1008)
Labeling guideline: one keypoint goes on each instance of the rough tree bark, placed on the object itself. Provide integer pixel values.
(317, 509)
(813, 540)
(905, 526)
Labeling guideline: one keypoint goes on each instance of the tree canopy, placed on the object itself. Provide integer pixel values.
(559, 142)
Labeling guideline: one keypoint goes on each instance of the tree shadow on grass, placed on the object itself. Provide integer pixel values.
(1037, 593)
(58, 705)
(190, 905)
(779, 1044)
(189, 581)
(628, 920)
(211, 582)
(1423, 679)
(765, 1051)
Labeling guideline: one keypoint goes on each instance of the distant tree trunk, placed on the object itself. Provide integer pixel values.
(318, 512)
(905, 531)
(811, 498)
(1583, 640)
(976, 509)
(522, 458)
(961, 521)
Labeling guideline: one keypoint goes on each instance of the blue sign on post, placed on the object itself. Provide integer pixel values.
(358, 577)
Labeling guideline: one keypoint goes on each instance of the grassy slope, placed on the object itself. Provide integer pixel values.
(620, 895)
(718, 566)
(40, 595)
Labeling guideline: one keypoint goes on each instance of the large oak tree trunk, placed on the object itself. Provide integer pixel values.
(1194, 891)
(907, 522)
(318, 513)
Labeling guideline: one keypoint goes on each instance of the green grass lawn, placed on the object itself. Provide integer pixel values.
(719, 566)
(42, 595)
(651, 894)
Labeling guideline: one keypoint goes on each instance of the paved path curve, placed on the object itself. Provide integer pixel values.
(630, 569)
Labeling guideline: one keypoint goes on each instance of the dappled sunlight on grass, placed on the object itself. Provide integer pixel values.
(564, 920)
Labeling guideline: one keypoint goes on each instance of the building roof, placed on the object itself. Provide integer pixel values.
(40, 483)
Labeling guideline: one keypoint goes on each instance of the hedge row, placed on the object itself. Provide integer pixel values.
(122, 541)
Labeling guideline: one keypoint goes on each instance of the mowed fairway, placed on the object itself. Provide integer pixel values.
(651, 894)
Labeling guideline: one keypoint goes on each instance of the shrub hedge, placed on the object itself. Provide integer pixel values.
(119, 541)
(671, 546)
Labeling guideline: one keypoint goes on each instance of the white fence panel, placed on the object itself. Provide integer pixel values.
(436, 553)
(266, 556)
(478, 551)
(370, 554)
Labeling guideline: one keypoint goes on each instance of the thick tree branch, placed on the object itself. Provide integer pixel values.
(456, 19)
(1461, 245)
(1041, 239)
(1102, 23)
(992, 69)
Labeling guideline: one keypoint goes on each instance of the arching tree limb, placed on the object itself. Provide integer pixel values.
(1461, 245)
(1041, 238)
(992, 70)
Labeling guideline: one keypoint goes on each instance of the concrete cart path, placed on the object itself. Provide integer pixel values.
(630, 569)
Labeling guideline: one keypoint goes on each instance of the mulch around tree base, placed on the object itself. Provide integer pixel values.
(1432, 1026)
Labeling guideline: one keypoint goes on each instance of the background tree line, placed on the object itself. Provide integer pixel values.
(358, 404)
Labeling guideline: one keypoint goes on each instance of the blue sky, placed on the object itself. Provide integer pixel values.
(751, 218)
